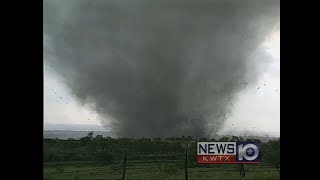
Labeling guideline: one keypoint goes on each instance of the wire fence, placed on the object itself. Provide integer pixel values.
(159, 166)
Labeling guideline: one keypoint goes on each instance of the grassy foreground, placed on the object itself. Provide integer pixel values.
(102, 158)
(142, 170)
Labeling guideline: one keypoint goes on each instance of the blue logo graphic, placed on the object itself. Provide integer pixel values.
(249, 152)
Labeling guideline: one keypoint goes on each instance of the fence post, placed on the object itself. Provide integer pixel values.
(186, 162)
(124, 162)
(242, 170)
(278, 168)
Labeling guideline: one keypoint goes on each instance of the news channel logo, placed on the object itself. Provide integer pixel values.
(229, 152)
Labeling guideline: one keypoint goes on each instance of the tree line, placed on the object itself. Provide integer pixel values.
(109, 150)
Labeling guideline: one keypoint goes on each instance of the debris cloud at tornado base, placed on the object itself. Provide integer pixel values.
(157, 68)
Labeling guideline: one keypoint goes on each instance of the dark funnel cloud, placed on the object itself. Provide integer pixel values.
(157, 68)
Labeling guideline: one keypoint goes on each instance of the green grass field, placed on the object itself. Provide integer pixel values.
(101, 158)
(149, 170)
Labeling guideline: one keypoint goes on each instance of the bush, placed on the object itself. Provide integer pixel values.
(103, 157)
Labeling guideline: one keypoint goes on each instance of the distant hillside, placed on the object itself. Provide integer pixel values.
(75, 127)
(65, 134)
(262, 138)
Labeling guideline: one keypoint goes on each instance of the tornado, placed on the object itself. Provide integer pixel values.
(157, 68)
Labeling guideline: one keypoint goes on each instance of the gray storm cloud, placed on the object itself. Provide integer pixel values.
(157, 68)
